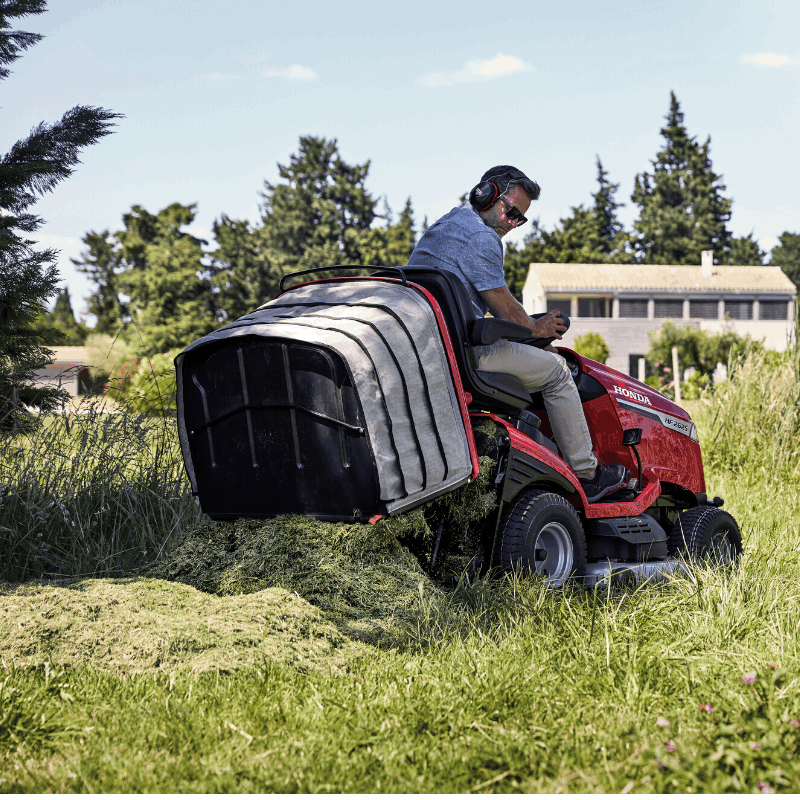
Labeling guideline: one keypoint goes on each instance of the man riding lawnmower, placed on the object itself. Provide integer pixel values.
(466, 242)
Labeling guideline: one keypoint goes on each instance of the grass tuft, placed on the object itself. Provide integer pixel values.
(91, 494)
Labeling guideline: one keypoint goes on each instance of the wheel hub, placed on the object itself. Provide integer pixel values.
(553, 555)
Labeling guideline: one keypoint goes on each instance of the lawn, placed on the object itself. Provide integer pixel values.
(119, 682)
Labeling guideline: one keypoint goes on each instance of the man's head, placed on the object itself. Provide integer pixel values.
(510, 193)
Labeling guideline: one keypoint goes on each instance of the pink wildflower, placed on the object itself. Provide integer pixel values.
(772, 666)
(671, 746)
(739, 730)
(138, 360)
(749, 677)
(707, 707)
(765, 788)
(662, 723)
(656, 762)
(794, 723)
(755, 746)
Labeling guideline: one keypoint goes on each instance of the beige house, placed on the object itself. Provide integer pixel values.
(68, 370)
(626, 303)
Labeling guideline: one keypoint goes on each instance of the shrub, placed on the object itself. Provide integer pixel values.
(697, 349)
(146, 385)
(107, 354)
(592, 345)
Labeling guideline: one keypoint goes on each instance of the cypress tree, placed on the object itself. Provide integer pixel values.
(318, 214)
(34, 165)
(681, 208)
(59, 327)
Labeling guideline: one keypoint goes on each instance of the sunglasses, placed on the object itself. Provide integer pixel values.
(513, 213)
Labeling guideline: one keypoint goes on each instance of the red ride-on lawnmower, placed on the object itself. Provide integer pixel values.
(351, 398)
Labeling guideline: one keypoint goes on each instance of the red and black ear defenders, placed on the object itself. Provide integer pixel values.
(484, 195)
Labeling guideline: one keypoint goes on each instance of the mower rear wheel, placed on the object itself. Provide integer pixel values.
(543, 535)
(706, 533)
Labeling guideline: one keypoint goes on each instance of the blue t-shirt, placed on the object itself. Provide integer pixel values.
(460, 242)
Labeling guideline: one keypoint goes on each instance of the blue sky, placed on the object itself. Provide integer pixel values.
(215, 95)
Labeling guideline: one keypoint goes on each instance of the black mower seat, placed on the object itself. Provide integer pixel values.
(491, 391)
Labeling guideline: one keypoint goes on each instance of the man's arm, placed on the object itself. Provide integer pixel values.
(504, 305)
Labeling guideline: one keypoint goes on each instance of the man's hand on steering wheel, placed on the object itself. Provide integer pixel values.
(549, 326)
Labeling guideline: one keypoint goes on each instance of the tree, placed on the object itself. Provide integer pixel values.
(681, 208)
(612, 239)
(243, 274)
(100, 262)
(33, 166)
(786, 255)
(318, 216)
(390, 246)
(59, 326)
(592, 345)
(745, 250)
(400, 238)
(163, 274)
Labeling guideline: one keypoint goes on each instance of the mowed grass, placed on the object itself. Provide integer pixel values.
(499, 686)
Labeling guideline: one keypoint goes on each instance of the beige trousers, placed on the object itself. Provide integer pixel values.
(548, 373)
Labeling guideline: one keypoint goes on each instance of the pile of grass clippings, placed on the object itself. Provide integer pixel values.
(350, 571)
(130, 625)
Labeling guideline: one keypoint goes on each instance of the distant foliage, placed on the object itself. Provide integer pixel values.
(697, 349)
(592, 345)
(107, 354)
(786, 255)
(59, 326)
(146, 385)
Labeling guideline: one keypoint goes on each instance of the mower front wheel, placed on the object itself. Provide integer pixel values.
(706, 533)
(543, 535)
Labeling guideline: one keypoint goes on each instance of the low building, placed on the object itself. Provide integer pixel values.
(626, 303)
(68, 371)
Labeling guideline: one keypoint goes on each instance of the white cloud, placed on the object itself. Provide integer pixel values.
(770, 60)
(477, 70)
(222, 76)
(293, 73)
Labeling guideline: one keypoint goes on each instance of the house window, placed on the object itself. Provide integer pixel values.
(592, 307)
(630, 307)
(704, 309)
(562, 304)
(739, 309)
(668, 308)
(773, 309)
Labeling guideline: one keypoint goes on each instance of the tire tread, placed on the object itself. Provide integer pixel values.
(517, 523)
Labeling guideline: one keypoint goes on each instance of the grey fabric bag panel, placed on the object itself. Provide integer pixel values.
(388, 336)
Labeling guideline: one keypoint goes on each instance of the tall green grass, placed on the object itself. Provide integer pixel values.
(90, 494)
(750, 424)
(499, 686)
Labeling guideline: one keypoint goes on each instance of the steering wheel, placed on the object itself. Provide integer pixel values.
(573, 362)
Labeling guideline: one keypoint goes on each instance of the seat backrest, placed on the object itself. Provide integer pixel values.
(491, 391)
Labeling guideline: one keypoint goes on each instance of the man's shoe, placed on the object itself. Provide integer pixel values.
(608, 478)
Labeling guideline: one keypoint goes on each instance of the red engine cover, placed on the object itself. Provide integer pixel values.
(669, 450)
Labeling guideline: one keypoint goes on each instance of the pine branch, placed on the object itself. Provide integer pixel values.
(49, 155)
(14, 43)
